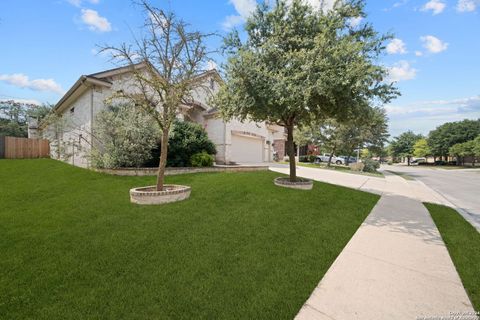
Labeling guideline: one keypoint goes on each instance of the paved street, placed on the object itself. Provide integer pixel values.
(460, 187)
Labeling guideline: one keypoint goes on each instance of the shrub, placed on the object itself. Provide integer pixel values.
(186, 139)
(370, 165)
(358, 166)
(201, 159)
(311, 158)
(390, 162)
(124, 137)
(308, 158)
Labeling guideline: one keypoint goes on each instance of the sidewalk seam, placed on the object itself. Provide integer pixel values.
(315, 309)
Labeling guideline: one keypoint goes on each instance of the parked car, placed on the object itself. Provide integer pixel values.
(350, 160)
(418, 161)
(326, 156)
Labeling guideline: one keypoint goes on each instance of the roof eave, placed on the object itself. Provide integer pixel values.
(82, 81)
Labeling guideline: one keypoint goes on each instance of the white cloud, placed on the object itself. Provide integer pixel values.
(355, 22)
(396, 46)
(467, 5)
(401, 71)
(423, 116)
(78, 3)
(244, 9)
(436, 6)
(94, 21)
(418, 53)
(23, 81)
(232, 21)
(433, 44)
(437, 107)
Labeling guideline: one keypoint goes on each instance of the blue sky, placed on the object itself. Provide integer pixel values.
(435, 57)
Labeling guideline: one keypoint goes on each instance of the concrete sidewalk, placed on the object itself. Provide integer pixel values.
(396, 266)
(390, 185)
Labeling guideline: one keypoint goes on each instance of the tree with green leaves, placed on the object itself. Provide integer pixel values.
(421, 148)
(165, 62)
(370, 130)
(448, 134)
(464, 149)
(476, 146)
(303, 136)
(299, 65)
(124, 137)
(14, 116)
(330, 135)
(403, 145)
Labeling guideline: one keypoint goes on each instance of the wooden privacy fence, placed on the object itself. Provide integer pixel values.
(23, 148)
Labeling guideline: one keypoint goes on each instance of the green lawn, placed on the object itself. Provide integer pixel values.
(463, 244)
(73, 247)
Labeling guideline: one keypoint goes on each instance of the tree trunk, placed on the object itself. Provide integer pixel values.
(331, 155)
(291, 153)
(163, 160)
(408, 160)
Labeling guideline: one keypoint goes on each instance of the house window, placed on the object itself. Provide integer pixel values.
(212, 84)
(72, 111)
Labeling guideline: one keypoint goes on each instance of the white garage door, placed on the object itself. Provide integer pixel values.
(246, 149)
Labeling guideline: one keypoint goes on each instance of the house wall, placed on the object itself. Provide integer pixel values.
(77, 126)
(75, 135)
(267, 133)
(215, 128)
(279, 147)
(208, 86)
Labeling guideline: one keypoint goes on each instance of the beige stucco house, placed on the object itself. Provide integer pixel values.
(236, 142)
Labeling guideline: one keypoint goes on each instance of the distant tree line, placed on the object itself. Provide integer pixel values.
(458, 139)
(14, 116)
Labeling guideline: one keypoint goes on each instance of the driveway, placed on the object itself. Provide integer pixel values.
(461, 187)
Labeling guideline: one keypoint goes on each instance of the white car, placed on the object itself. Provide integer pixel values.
(326, 156)
(417, 161)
